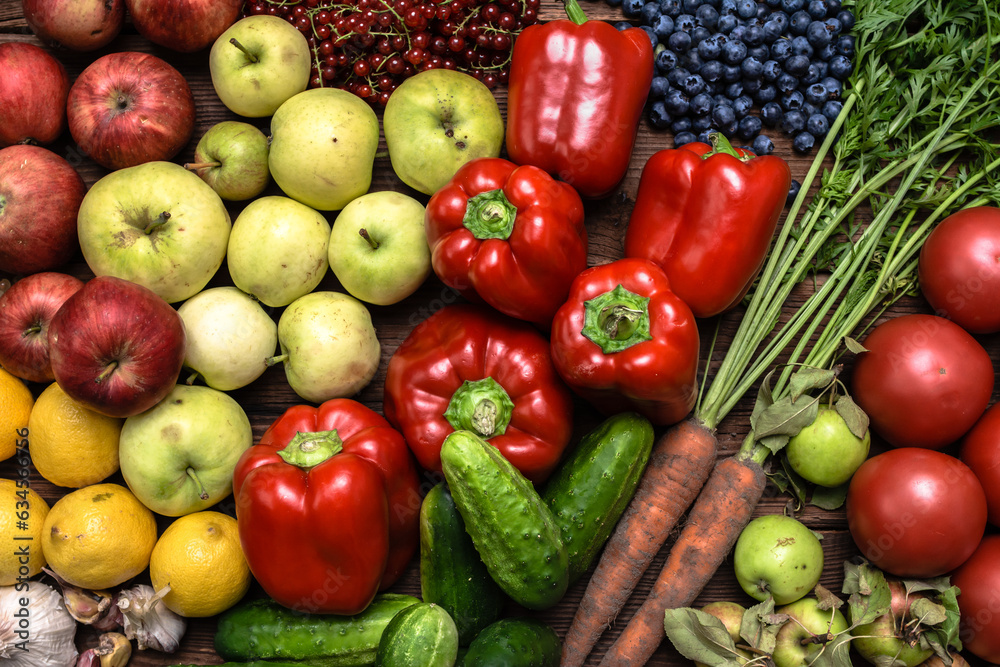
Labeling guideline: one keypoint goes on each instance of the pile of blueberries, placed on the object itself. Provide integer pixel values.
(738, 66)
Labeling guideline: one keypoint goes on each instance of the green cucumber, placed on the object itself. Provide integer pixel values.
(590, 490)
(423, 635)
(452, 574)
(515, 642)
(265, 630)
(514, 532)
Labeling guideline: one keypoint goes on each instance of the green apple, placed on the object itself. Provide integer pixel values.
(779, 556)
(155, 224)
(278, 250)
(323, 144)
(731, 615)
(436, 121)
(328, 346)
(178, 457)
(378, 247)
(826, 452)
(229, 337)
(800, 639)
(258, 63)
(232, 158)
(879, 643)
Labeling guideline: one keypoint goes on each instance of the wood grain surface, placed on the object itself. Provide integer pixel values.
(265, 399)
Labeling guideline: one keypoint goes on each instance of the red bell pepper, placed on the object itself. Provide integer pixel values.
(469, 367)
(575, 97)
(707, 214)
(624, 341)
(327, 505)
(510, 236)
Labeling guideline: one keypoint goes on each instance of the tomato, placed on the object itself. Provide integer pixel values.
(979, 603)
(916, 512)
(924, 381)
(958, 269)
(981, 452)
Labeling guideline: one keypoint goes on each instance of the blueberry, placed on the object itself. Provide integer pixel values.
(727, 23)
(729, 129)
(833, 86)
(690, 6)
(809, 109)
(762, 12)
(733, 52)
(824, 53)
(699, 34)
(814, 73)
(653, 39)
(791, 121)
(840, 67)
(760, 52)
(773, 4)
(789, 6)
(659, 117)
(762, 145)
(746, 9)
(831, 109)
(786, 83)
(733, 90)
(727, 8)
(816, 8)
(693, 85)
(752, 68)
(684, 22)
(751, 86)
(632, 8)
(803, 142)
(753, 35)
(691, 61)
(671, 8)
(682, 124)
(666, 61)
(622, 25)
(711, 48)
(771, 113)
(682, 138)
(737, 33)
(819, 34)
(816, 93)
(833, 6)
(845, 45)
(659, 87)
(663, 26)
(846, 18)
(781, 50)
(742, 106)
(781, 18)
(731, 73)
(708, 16)
(723, 115)
(770, 70)
(798, 22)
(649, 12)
(793, 191)
(676, 76)
(801, 46)
(711, 71)
(701, 123)
(677, 103)
(767, 93)
(705, 136)
(796, 65)
(679, 41)
(792, 101)
(701, 104)
(817, 125)
(833, 26)
(772, 31)
(749, 127)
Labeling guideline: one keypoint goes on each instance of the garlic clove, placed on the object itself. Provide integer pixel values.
(85, 606)
(147, 620)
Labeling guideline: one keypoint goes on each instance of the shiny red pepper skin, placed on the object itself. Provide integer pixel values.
(327, 538)
(707, 217)
(575, 97)
(451, 355)
(653, 374)
(510, 236)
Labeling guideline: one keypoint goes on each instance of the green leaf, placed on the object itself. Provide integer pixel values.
(829, 498)
(826, 599)
(794, 483)
(783, 417)
(868, 592)
(699, 636)
(854, 346)
(854, 416)
(928, 611)
(759, 628)
(765, 398)
(836, 652)
(775, 443)
(809, 378)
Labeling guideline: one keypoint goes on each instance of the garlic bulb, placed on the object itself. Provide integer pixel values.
(148, 621)
(35, 628)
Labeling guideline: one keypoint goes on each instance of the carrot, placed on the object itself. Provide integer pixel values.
(678, 467)
(717, 517)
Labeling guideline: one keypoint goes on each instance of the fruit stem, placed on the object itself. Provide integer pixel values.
(30, 331)
(159, 221)
(194, 166)
(251, 57)
(272, 361)
(191, 378)
(106, 373)
(202, 493)
(368, 237)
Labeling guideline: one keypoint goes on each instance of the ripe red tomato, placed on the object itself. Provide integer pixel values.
(958, 269)
(924, 381)
(981, 452)
(916, 512)
(979, 603)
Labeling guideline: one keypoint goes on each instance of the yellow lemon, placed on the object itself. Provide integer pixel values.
(15, 408)
(200, 558)
(70, 444)
(22, 514)
(98, 536)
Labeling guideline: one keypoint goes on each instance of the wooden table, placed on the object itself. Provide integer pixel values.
(265, 399)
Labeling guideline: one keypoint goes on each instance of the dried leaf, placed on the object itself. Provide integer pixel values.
(854, 416)
(826, 599)
(784, 417)
(868, 590)
(836, 653)
(758, 628)
(699, 636)
(854, 346)
(764, 398)
(928, 611)
(809, 378)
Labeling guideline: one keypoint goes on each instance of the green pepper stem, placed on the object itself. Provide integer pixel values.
(720, 144)
(616, 320)
(481, 406)
(308, 450)
(575, 12)
(490, 215)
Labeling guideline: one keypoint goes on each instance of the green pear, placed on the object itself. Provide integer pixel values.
(232, 158)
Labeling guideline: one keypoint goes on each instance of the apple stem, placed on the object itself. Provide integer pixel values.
(251, 57)
(272, 361)
(158, 222)
(106, 373)
(30, 331)
(368, 237)
(202, 493)
(191, 378)
(194, 166)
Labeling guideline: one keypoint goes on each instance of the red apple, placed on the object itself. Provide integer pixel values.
(183, 25)
(33, 86)
(79, 25)
(40, 195)
(25, 312)
(116, 346)
(127, 108)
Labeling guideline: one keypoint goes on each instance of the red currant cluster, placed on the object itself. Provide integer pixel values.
(368, 47)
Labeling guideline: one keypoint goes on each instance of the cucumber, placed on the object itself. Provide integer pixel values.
(264, 630)
(423, 635)
(514, 532)
(515, 642)
(452, 574)
(590, 490)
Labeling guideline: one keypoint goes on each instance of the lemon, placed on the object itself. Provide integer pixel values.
(199, 556)
(22, 513)
(15, 408)
(98, 536)
(70, 444)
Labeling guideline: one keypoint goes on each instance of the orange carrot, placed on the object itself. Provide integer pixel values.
(678, 467)
(720, 513)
